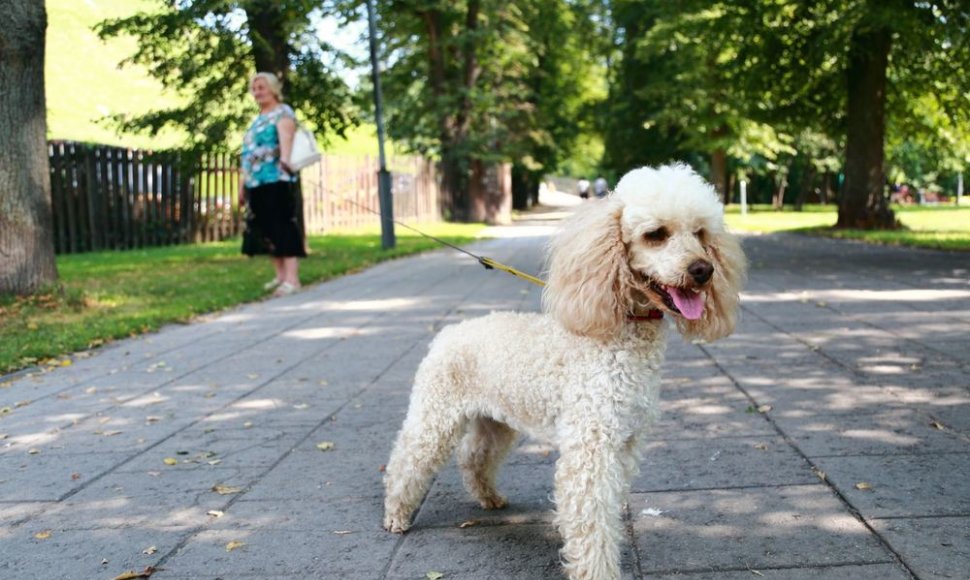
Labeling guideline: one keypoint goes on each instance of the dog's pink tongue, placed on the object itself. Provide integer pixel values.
(690, 304)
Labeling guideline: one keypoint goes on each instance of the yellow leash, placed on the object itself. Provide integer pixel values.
(488, 263)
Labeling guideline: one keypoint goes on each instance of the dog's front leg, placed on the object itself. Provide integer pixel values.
(590, 490)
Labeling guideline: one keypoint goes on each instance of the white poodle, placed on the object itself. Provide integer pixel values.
(585, 375)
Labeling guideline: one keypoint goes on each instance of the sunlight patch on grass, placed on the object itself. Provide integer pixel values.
(937, 227)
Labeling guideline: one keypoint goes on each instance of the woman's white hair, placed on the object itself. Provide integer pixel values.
(272, 81)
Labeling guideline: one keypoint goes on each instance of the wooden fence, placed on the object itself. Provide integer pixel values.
(115, 198)
(112, 198)
(341, 192)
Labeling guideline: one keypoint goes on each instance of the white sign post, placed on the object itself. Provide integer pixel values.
(744, 197)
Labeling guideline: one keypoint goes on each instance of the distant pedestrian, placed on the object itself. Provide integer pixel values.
(601, 187)
(582, 186)
(266, 187)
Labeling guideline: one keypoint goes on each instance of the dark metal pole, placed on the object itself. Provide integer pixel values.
(383, 176)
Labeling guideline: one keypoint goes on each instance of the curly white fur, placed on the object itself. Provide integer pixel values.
(585, 375)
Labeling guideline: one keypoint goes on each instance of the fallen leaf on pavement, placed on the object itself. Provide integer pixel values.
(764, 408)
(33, 451)
(43, 535)
(343, 532)
(937, 425)
(75, 476)
(234, 545)
(761, 446)
(170, 461)
(215, 513)
(325, 445)
(468, 524)
(863, 486)
(131, 574)
(301, 406)
(226, 489)
(434, 575)
(149, 550)
(248, 424)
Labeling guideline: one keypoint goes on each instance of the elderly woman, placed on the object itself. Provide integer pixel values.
(266, 185)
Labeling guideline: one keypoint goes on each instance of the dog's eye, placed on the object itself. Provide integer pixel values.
(657, 235)
(700, 233)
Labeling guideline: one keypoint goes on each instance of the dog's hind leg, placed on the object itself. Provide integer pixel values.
(481, 453)
(429, 435)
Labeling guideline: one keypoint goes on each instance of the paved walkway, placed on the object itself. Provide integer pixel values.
(827, 439)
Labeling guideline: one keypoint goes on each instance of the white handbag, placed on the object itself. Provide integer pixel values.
(304, 152)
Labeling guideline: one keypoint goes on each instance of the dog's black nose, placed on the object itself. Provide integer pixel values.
(700, 271)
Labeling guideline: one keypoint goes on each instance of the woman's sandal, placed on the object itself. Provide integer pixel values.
(285, 289)
(271, 285)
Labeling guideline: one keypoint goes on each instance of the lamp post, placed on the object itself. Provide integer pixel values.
(384, 198)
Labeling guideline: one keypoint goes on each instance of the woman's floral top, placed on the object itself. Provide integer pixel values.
(261, 149)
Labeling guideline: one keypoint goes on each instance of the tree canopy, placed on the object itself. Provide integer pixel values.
(835, 98)
(206, 51)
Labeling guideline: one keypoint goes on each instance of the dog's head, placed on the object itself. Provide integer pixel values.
(658, 241)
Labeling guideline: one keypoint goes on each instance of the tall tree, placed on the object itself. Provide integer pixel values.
(26, 224)
(206, 50)
(854, 66)
(480, 81)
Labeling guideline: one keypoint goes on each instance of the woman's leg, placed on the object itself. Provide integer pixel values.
(278, 265)
(290, 271)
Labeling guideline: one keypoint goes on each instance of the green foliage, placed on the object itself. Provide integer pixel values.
(206, 50)
(108, 295)
(766, 80)
(483, 80)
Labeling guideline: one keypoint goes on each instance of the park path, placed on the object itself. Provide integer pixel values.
(828, 438)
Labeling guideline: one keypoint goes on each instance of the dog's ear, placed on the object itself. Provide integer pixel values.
(587, 260)
(723, 299)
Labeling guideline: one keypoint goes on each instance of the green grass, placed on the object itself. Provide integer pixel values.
(937, 227)
(84, 82)
(108, 295)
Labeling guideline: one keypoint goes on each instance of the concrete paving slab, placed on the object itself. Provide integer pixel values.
(268, 553)
(887, 432)
(902, 485)
(847, 572)
(931, 547)
(723, 463)
(99, 553)
(800, 526)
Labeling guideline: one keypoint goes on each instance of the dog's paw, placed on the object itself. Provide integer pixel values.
(495, 502)
(396, 523)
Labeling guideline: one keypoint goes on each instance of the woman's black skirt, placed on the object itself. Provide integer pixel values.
(272, 225)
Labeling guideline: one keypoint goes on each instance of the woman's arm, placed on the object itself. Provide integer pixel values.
(286, 127)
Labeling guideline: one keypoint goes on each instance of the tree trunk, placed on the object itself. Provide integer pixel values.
(26, 224)
(778, 198)
(808, 179)
(719, 173)
(863, 203)
(268, 37)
